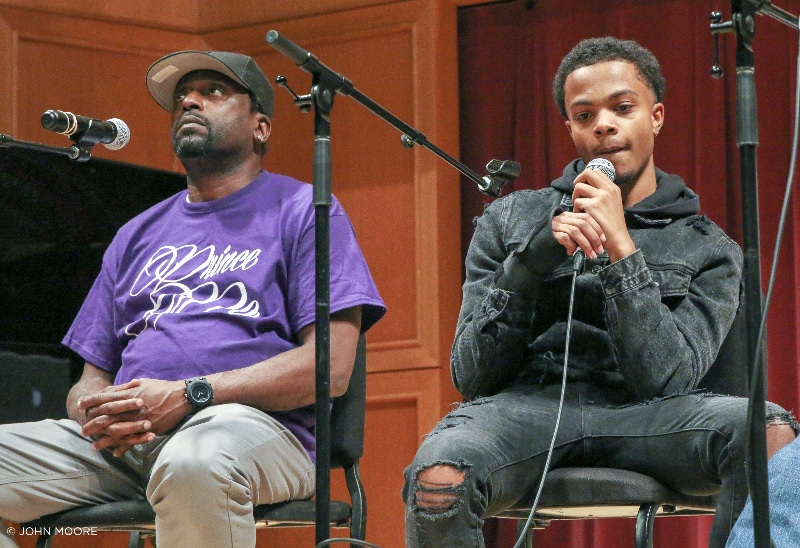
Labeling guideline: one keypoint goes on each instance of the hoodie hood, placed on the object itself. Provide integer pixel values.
(671, 200)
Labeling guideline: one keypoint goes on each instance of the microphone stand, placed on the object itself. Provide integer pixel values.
(765, 7)
(500, 172)
(324, 86)
(743, 24)
(79, 153)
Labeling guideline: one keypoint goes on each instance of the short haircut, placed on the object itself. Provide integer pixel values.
(607, 48)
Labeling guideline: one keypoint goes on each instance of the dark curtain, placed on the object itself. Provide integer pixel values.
(509, 52)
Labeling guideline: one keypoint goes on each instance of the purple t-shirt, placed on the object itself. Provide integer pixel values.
(189, 289)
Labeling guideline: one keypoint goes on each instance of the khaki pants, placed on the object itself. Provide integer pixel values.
(202, 479)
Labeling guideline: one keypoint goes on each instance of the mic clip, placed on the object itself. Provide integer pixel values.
(500, 173)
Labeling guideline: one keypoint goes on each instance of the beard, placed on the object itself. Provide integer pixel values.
(191, 145)
(192, 142)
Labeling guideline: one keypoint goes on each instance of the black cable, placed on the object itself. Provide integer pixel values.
(577, 267)
(784, 214)
(779, 237)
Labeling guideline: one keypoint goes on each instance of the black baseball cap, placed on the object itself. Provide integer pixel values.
(164, 75)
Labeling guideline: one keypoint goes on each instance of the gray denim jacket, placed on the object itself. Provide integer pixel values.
(651, 323)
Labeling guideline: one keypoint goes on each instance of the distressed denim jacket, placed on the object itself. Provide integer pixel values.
(651, 323)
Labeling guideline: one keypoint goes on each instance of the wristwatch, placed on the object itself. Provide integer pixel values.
(199, 393)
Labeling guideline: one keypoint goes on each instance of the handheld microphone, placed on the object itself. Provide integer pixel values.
(113, 133)
(603, 165)
(608, 170)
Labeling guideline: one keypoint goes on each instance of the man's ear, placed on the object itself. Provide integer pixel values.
(657, 116)
(264, 127)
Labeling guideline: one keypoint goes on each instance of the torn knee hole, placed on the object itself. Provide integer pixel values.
(439, 488)
(784, 425)
(781, 431)
(780, 420)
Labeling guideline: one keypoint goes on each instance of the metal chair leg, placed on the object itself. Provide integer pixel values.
(528, 533)
(44, 541)
(644, 525)
(137, 539)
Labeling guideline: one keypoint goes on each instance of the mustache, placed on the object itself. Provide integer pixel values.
(190, 117)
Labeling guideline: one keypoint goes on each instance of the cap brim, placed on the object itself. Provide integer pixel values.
(164, 74)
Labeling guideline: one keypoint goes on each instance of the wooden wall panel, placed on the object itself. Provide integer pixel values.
(194, 16)
(404, 204)
(7, 83)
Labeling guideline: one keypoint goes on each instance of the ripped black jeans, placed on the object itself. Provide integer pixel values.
(693, 443)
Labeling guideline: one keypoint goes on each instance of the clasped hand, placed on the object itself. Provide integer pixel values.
(119, 417)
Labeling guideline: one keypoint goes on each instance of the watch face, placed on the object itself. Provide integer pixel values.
(200, 392)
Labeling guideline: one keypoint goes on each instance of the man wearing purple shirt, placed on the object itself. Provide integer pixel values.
(198, 333)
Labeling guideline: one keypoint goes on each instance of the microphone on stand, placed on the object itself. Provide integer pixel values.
(113, 133)
(607, 168)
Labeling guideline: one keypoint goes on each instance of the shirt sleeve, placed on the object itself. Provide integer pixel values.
(351, 283)
(92, 334)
